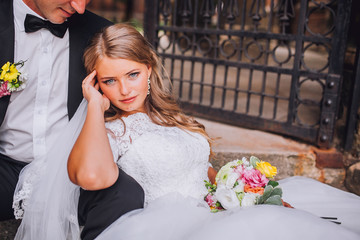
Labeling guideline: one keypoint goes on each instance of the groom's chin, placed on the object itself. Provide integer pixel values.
(59, 16)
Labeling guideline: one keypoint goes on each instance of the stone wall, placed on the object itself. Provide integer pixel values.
(292, 165)
(8, 229)
(352, 163)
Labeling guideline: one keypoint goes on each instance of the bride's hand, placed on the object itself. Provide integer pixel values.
(90, 88)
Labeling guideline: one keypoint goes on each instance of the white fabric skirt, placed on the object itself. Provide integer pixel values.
(175, 217)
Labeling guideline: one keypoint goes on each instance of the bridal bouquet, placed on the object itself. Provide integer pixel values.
(243, 183)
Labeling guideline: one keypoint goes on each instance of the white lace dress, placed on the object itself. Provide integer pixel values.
(171, 165)
(161, 159)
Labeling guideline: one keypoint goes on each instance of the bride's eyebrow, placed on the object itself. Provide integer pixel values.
(129, 72)
(105, 78)
(132, 71)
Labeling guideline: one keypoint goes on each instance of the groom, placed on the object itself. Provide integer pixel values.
(34, 116)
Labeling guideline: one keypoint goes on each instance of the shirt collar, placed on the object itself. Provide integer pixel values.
(20, 11)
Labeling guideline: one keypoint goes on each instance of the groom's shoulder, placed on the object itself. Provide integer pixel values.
(5, 7)
(94, 18)
(6, 2)
(6, 16)
(89, 21)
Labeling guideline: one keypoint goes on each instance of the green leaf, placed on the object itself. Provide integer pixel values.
(240, 196)
(210, 187)
(267, 192)
(273, 183)
(277, 191)
(259, 200)
(253, 161)
(274, 200)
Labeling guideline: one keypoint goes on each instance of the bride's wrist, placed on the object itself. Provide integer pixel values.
(96, 105)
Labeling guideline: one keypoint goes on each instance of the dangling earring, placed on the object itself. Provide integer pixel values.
(148, 92)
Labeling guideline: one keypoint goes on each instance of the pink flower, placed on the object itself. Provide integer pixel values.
(3, 89)
(240, 170)
(210, 199)
(254, 178)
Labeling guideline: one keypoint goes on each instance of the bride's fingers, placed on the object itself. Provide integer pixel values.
(106, 102)
(89, 78)
(97, 87)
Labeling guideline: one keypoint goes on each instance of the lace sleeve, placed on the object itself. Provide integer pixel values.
(115, 131)
(121, 133)
(113, 145)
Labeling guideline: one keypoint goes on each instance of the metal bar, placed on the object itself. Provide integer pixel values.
(202, 82)
(229, 117)
(266, 62)
(276, 95)
(249, 92)
(193, 51)
(244, 33)
(235, 27)
(151, 16)
(236, 89)
(224, 87)
(182, 78)
(237, 85)
(288, 71)
(354, 106)
(297, 61)
(173, 37)
(212, 93)
(331, 99)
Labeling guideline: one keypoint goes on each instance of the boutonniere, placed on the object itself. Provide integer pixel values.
(11, 79)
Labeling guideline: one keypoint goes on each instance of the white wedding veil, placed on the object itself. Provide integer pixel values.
(45, 198)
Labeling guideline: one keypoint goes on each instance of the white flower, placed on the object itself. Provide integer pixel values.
(224, 172)
(231, 179)
(227, 198)
(239, 188)
(249, 199)
(22, 84)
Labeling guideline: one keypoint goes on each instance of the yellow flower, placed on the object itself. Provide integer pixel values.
(9, 73)
(266, 169)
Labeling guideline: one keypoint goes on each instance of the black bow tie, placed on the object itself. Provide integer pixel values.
(32, 24)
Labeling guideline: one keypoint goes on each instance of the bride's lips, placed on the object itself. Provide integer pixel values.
(128, 100)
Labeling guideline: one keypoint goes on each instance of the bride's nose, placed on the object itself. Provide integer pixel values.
(124, 88)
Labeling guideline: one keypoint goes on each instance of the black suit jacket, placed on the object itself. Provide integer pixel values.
(81, 29)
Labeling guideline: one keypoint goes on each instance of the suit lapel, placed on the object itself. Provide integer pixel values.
(7, 39)
(77, 42)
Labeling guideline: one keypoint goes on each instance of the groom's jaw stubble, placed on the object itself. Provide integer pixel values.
(57, 11)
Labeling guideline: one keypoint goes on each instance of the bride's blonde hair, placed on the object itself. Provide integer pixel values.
(125, 42)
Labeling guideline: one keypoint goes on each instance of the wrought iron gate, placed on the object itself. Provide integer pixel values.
(273, 65)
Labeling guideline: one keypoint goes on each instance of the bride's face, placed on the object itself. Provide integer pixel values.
(124, 83)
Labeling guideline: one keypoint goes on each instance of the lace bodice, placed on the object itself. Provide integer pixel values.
(161, 159)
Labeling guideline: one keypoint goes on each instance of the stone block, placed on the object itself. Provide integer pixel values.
(352, 181)
(8, 229)
(329, 158)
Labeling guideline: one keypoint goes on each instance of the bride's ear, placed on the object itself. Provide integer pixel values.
(149, 71)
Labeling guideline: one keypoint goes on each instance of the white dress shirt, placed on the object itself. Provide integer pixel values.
(37, 114)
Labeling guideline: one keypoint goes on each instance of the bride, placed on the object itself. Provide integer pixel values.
(146, 135)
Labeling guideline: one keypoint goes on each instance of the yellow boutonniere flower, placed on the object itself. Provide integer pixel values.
(11, 79)
(266, 169)
(9, 73)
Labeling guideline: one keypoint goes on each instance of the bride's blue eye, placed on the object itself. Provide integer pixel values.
(134, 75)
(109, 81)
